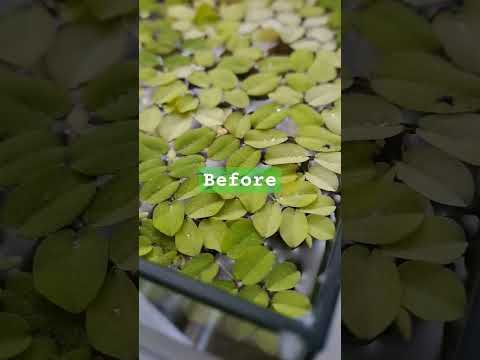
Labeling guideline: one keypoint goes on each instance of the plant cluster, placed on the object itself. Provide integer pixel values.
(410, 154)
(239, 84)
(68, 129)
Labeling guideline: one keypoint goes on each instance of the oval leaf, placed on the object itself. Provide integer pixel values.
(294, 227)
(62, 259)
(112, 319)
(254, 265)
(432, 292)
(371, 292)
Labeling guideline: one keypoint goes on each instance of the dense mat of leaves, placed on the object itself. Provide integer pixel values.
(239, 84)
(68, 148)
(409, 164)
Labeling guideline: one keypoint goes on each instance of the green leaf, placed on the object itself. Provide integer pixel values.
(432, 292)
(200, 79)
(172, 126)
(223, 79)
(318, 139)
(439, 240)
(436, 85)
(237, 64)
(294, 227)
(203, 205)
(454, 134)
(321, 227)
(299, 82)
(31, 42)
(406, 30)
(322, 70)
(324, 205)
(331, 161)
(112, 319)
(251, 53)
(212, 118)
(245, 157)
(297, 194)
(254, 265)
(304, 115)
(202, 267)
(232, 210)
(46, 203)
(151, 147)
(63, 259)
(265, 138)
(14, 335)
(267, 220)
(253, 202)
(112, 95)
(378, 120)
(114, 202)
(158, 189)
(210, 98)
(82, 51)
(149, 119)
(204, 58)
(291, 303)
(151, 77)
(226, 285)
(285, 154)
(322, 178)
(168, 218)
(285, 96)
(301, 60)
(186, 103)
(324, 94)
(437, 176)
(255, 294)
(194, 141)
(223, 147)
(124, 246)
(333, 118)
(168, 93)
(186, 166)
(28, 95)
(175, 62)
(237, 98)
(189, 240)
(159, 257)
(106, 149)
(26, 143)
(214, 233)
(205, 14)
(381, 213)
(14, 172)
(268, 116)
(243, 229)
(188, 189)
(371, 292)
(238, 125)
(288, 171)
(242, 236)
(284, 276)
(145, 246)
(260, 84)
